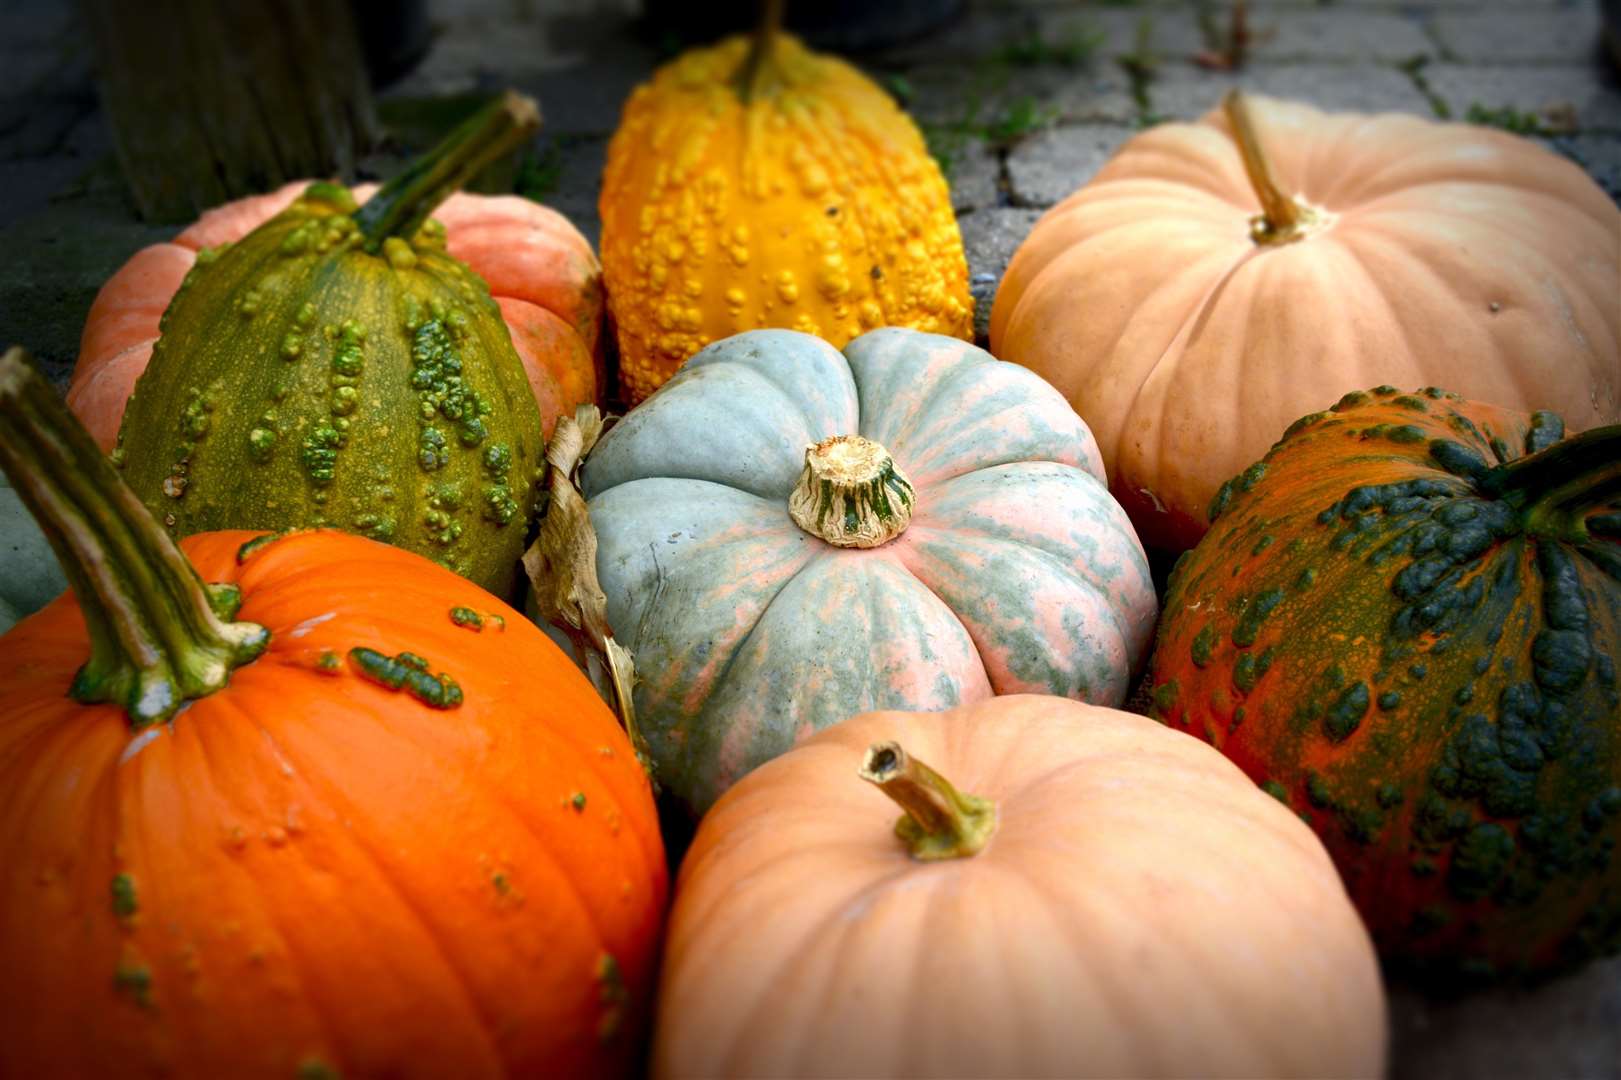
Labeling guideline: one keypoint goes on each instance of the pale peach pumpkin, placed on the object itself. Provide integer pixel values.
(1390, 250)
(540, 270)
(1135, 907)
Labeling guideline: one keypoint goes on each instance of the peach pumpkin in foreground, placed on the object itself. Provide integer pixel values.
(1076, 891)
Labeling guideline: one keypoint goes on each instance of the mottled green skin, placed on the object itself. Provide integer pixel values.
(302, 381)
(409, 672)
(1423, 665)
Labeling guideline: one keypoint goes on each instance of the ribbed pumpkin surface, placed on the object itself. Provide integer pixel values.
(307, 873)
(1408, 630)
(1017, 573)
(1141, 911)
(541, 271)
(813, 206)
(1445, 254)
(303, 381)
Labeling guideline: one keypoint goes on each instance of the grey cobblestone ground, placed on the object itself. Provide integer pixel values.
(1023, 100)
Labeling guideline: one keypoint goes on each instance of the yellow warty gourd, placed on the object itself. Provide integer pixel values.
(756, 184)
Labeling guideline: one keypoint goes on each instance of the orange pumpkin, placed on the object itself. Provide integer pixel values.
(541, 271)
(755, 183)
(1113, 899)
(289, 844)
(1188, 331)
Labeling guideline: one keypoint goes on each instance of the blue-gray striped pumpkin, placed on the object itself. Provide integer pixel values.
(991, 557)
(29, 575)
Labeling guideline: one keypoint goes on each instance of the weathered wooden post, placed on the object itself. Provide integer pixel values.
(210, 101)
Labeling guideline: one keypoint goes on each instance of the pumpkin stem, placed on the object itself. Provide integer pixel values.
(159, 637)
(940, 822)
(401, 206)
(750, 77)
(1282, 218)
(1570, 490)
(851, 493)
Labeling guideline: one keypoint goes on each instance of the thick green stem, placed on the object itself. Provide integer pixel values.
(401, 206)
(1282, 218)
(1558, 489)
(159, 636)
(940, 822)
(753, 76)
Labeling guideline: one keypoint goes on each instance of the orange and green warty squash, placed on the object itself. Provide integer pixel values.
(757, 184)
(306, 805)
(1405, 623)
(790, 535)
(339, 366)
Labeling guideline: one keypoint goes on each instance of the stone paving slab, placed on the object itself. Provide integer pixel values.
(1563, 35)
(989, 238)
(38, 71)
(1600, 155)
(1591, 93)
(26, 28)
(69, 252)
(579, 162)
(975, 176)
(947, 94)
(1183, 91)
(1340, 35)
(572, 101)
(1072, 30)
(1568, 1027)
(1045, 168)
(1119, 31)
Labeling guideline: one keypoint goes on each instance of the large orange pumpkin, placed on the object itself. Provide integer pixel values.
(1101, 897)
(379, 826)
(540, 270)
(1188, 331)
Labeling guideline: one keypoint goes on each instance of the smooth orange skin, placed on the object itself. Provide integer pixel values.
(1142, 910)
(1460, 257)
(326, 871)
(540, 270)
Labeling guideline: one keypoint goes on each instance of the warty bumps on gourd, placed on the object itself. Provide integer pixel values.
(1404, 622)
(758, 184)
(337, 367)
